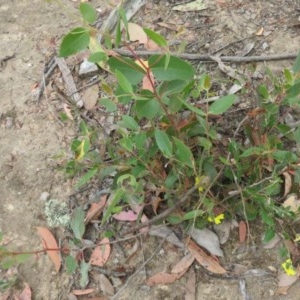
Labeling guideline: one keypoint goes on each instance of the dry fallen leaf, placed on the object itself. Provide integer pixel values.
(285, 281)
(260, 31)
(183, 264)
(287, 182)
(82, 292)
(190, 285)
(49, 242)
(95, 210)
(242, 231)
(129, 216)
(163, 278)
(25, 294)
(292, 202)
(105, 286)
(90, 97)
(206, 261)
(191, 6)
(207, 239)
(101, 253)
(68, 111)
(136, 33)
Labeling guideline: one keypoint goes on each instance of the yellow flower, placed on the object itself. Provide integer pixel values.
(288, 267)
(217, 220)
(202, 182)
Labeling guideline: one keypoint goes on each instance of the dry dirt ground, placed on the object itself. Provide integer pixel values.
(31, 136)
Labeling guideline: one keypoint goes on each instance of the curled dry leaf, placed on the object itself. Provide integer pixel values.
(163, 278)
(101, 253)
(206, 261)
(50, 243)
(95, 210)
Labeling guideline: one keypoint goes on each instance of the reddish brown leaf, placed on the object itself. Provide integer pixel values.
(205, 260)
(183, 264)
(242, 231)
(101, 253)
(25, 294)
(163, 278)
(82, 292)
(190, 286)
(50, 243)
(95, 210)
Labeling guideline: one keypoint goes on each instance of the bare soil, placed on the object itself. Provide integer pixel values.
(31, 136)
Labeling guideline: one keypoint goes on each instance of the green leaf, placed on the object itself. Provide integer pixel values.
(177, 69)
(71, 264)
(294, 91)
(86, 177)
(129, 123)
(84, 272)
(296, 67)
(252, 151)
(21, 258)
(114, 200)
(77, 223)
(263, 92)
(183, 153)
(147, 109)
(124, 82)
(88, 12)
(156, 38)
(269, 235)
(221, 105)
(97, 57)
(133, 72)
(163, 142)
(205, 143)
(123, 17)
(109, 105)
(76, 40)
(126, 143)
(192, 108)
(193, 214)
(283, 156)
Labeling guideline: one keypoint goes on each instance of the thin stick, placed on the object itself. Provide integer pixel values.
(207, 57)
(165, 213)
(116, 296)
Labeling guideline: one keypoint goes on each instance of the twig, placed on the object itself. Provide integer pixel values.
(207, 57)
(70, 84)
(164, 214)
(116, 296)
(48, 70)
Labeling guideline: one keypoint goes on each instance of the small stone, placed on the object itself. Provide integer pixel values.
(9, 124)
(44, 196)
(87, 68)
(265, 46)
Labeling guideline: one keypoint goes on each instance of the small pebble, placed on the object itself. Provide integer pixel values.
(265, 46)
(44, 196)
